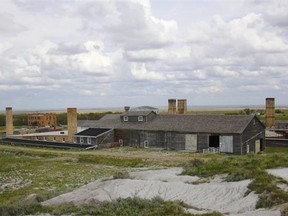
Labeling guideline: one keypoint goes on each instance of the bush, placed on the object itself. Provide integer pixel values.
(121, 175)
(246, 167)
(237, 176)
(267, 200)
(21, 209)
(129, 206)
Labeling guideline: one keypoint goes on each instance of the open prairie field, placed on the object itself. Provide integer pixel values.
(30, 176)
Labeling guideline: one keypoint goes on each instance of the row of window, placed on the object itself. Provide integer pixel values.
(45, 139)
(82, 140)
(140, 118)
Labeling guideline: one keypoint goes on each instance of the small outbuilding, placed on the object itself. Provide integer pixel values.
(94, 136)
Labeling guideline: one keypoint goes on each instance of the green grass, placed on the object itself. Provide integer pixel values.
(45, 176)
(246, 167)
(276, 150)
(129, 207)
(45, 173)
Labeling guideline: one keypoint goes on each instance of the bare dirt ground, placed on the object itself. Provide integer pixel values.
(214, 195)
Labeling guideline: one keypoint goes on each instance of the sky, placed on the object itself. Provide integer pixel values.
(114, 53)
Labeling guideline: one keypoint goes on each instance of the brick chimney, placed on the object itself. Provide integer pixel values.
(9, 122)
(72, 123)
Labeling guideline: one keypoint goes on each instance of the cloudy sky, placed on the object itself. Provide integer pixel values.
(100, 53)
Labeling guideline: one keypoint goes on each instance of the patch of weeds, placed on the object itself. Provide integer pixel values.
(250, 166)
(276, 197)
(22, 209)
(237, 176)
(200, 181)
(284, 210)
(263, 183)
(130, 207)
(113, 161)
(121, 175)
(204, 169)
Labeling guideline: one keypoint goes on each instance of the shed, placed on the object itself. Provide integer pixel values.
(94, 136)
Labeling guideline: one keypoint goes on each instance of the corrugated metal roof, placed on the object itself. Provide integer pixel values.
(183, 123)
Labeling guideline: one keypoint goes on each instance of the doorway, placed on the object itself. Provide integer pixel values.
(214, 141)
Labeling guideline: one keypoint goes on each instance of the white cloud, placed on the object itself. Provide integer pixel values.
(224, 72)
(139, 71)
(117, 51)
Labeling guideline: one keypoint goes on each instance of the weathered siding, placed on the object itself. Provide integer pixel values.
(254, 131)
(156, 139)
(176, 140)
(237, 144)
(100, 140)
(203, 142)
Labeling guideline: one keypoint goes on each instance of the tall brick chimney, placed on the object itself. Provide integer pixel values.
(182, 106)
(72, 123)
(270, 112)
(9, 121)
(172, 106)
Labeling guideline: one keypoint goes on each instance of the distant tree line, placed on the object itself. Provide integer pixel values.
(22, 119)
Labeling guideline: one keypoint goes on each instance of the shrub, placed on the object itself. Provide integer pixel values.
(267, 200)
(121, 175)
(129, 206)
(247, 167)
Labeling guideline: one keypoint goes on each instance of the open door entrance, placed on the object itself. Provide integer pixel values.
(214, 141)
(261, 145)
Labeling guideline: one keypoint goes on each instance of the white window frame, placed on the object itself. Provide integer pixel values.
(88, 140)
(125, 118)
(146, 144)
(81, 139)
(74, 139)
(121, 142)
(140, 118)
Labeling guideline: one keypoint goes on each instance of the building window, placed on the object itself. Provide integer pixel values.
(63, 139)
(54, 138)
(121, 142)
(146, 144)
(74, 139)
(125, 118)
(140, 118)
(81, 140)
(89, 140)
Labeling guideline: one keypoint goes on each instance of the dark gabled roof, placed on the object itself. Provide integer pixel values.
(93, 132)
(183, 123)
(137, 113)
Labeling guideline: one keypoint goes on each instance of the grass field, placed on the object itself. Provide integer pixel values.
(31, 175)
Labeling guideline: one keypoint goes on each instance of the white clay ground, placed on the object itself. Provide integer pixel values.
(216, 195)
